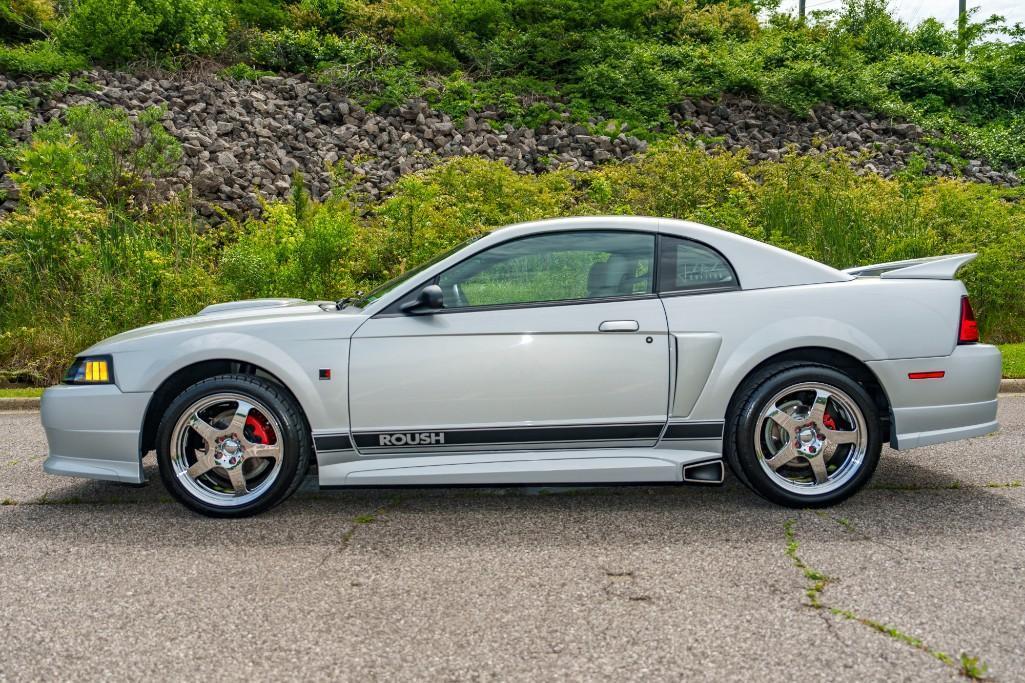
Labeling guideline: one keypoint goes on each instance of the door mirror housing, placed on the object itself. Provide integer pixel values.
(430, 299)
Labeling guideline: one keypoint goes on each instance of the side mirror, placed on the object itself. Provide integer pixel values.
(430, 299)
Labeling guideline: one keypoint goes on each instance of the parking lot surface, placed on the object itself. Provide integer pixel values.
(105, 580)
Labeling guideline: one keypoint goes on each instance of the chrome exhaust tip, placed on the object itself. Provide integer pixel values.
(709, 473)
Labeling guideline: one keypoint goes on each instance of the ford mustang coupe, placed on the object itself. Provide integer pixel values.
(610, 350)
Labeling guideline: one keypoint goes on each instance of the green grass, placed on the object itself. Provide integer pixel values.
(1014, 360)
(28, 392)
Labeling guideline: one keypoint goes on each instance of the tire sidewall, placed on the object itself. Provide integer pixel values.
(291, 442)
(746, 425)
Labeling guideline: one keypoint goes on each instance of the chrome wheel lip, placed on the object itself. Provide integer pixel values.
(847, 466)
(235, 443)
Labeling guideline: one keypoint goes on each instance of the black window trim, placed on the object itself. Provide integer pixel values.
(736, 286)
(392, 310)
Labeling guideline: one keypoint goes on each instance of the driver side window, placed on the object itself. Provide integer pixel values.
(563, 266)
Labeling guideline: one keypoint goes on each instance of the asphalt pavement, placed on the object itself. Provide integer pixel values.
(101, 580)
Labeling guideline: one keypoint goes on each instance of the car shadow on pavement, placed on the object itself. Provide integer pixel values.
(925, 503)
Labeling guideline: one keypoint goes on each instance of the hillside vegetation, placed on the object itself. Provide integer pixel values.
(626, 59)
(88, 253)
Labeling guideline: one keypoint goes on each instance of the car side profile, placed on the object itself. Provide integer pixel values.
(598, 350)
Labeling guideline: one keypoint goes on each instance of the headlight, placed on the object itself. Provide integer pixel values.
(90, 370)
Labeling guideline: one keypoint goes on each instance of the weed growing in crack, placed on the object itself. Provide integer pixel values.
(816, 580)
(357, 522)
(967, 665)
(972, 667)
(1004, 485)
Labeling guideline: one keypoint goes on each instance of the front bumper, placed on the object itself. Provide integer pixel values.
(960, 405)
(93, 432)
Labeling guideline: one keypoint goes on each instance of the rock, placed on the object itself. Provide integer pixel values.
(226, 160)
(240, 141)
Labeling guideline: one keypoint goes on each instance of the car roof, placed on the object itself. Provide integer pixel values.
(758, 265)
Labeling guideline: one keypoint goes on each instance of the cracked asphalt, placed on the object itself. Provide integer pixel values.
(100, 580)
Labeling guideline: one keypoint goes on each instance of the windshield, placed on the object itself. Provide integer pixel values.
(392, 284)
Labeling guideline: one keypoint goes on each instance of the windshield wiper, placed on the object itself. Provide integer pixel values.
(342, 303)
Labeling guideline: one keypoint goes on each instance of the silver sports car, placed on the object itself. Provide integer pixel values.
(613, 350)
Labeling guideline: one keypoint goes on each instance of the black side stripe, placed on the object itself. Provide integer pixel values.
(333, 442)
(695, 430)
(475, 437)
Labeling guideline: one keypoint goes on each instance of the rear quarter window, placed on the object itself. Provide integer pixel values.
(688, 266)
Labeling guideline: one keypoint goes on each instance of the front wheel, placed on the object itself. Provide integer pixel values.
(233, 446)
(805, 436)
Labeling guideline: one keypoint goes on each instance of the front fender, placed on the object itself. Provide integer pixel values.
(296, 365)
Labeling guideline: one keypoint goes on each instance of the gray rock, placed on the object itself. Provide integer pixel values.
(226, 160)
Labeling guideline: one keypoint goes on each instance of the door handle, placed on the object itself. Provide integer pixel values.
(619, 326)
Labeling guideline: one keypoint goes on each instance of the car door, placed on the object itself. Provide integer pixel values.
(549, 341)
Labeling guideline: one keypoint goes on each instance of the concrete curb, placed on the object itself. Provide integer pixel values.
(1007, 386)
(1012, 386)
(19, 404)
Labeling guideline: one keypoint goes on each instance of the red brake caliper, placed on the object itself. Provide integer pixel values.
(261, 429)
(827, 421)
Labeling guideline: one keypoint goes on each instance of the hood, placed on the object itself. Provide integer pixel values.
(249, 303)
(250, 313)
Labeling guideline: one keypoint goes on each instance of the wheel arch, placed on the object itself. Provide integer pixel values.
(186, 376)
(841, 361)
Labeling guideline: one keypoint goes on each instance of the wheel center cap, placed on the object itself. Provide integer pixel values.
(229, 453)
(808, 441)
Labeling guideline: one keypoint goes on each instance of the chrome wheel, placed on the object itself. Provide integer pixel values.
(811, 438)
(226, 449)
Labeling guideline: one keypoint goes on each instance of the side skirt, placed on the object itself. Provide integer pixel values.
(509, 468)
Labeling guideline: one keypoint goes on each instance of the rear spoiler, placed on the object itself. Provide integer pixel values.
(929, 268)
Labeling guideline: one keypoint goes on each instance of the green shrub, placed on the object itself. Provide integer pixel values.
(120, 31)
(261, 14)
(304, 50)
(295, 249)
(100, 154)
(25, 19)
(41, 58)
(243, 72)
(72, 272)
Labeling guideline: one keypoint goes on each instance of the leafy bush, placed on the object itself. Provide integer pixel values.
(100, 154)
(120, 31)
(292, 50)
(243, 72)
(25, 19)
(41, 58)
(72, 272)
(307, 249)
(262, 14)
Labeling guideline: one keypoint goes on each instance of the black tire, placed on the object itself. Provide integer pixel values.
(754, 396)
(295, 442)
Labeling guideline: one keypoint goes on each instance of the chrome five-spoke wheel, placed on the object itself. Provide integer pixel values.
(225, 449)
(804, 435)
(233, 445)
(811, 438)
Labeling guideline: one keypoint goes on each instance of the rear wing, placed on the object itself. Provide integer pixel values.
(929, 268)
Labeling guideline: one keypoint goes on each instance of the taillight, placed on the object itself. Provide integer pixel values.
(968, 331)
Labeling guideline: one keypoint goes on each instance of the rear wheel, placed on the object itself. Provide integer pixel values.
(232, 446)
(804, 436)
